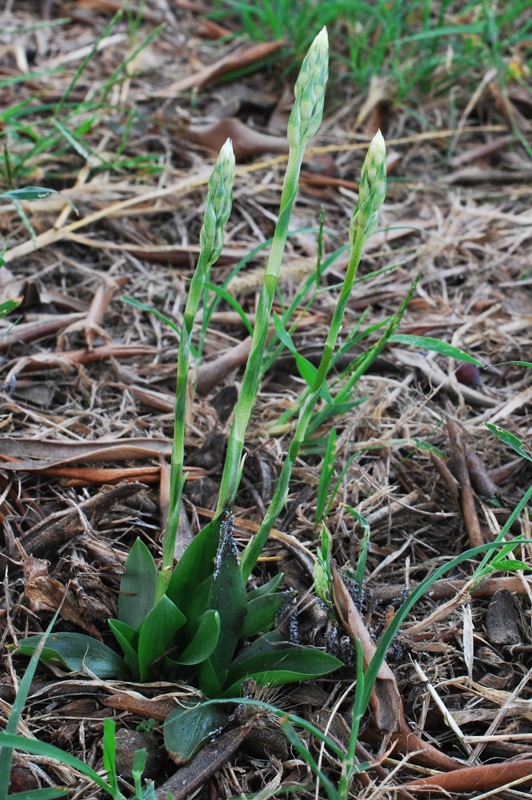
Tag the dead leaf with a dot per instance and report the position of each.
(243, 56)
(475, 779)
(247, 142)
(32, 454)
(385, 699)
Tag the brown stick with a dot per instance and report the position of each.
(462, 475)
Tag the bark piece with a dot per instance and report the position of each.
(459, 466)
(203, 766)
(501, 619)
(47, 536)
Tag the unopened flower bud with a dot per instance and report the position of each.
(372, 191)
(218, 203)
(309, 91)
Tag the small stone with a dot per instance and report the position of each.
(127, 744)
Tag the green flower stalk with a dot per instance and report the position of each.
(304, 121)
(364, 221)
(217, 210)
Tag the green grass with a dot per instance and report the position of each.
(426, 46)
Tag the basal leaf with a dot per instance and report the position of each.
(75, 651)
(186, 729)
(137, 587)
(210, 680)
(128, 639)
(228, 596)
(156, 633)
(437, 346)
(195, 565)
(198, 604)
(286, 665)
(205, 639)
(295, 663)
(260, 614)
(266, 588)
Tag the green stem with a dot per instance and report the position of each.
(250, 382)
(255, 546)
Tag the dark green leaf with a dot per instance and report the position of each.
(512, 441)
(137, 587)
(128, 639)
(260, 614)
(186, 729)
(210, 681)
(156, 632)
(195, 565)
(228, 597)
(282, 665)
(198, 604)
(205, 639)
(428, 343)
(266, 588)
(76, 650)
(263, 644)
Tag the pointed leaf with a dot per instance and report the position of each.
(307, 662)
(40, 794)
(198, 604)
(228, 596)
(128, 639)
(186, 729)
(75, 651)
(512, 441)
(437, 346)
(510, 564)
(137, 587)
(210, 681)
(156, 633)
(266, 588)
(195, 565)
(50, 751)
(205, 639)
(307, 370)
(260, 614)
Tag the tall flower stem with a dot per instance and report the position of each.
(304, 121)
(217, 210)
(364, 221)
